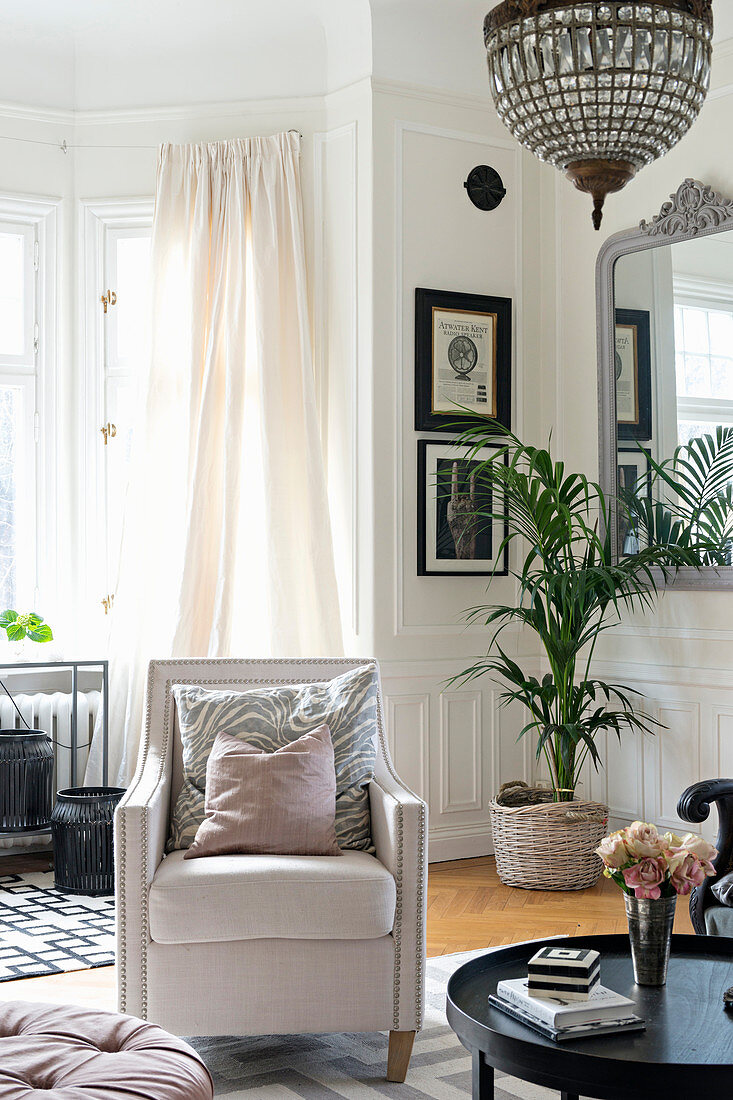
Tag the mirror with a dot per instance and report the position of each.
(665, 312)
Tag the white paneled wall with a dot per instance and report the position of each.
(455, 747)
(391, 214)
(408, 725)
(460, 747)
(452, 746)
(335, 313)
(645, 775)
(673, 757)
(723, 739)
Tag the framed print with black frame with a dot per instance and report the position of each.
(463, 358)
(633, 359)
(633, 475)
(461, 526)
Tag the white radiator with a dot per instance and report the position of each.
(52, 714)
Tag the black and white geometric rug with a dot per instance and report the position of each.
(43, 931)
(282, 1067)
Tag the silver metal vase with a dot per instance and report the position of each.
(650, 933)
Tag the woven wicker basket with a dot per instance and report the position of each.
(548, 847)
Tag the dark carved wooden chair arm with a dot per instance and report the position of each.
(694, 806)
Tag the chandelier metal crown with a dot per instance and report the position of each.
(599, 89)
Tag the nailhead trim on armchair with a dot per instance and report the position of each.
(122, 839)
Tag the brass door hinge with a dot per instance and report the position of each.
(109, 431)
(108, 299)
(108, 603)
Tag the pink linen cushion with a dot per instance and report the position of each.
(61, 1051)
(269, 803)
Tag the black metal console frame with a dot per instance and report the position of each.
(73, 667)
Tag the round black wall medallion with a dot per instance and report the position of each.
(485, 187)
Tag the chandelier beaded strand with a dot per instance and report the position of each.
(599, 89)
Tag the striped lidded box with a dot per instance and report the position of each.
(566, 972)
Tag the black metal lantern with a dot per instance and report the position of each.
(82, 840)
(26, 781)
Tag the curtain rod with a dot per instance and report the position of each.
(64, 145)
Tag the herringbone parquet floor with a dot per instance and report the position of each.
(468, 907)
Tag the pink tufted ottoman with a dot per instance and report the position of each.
(58, 1052)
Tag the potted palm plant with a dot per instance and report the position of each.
(571, 589)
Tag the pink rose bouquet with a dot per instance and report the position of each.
(648, 864)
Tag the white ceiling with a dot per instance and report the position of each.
(92, 54)
(99, 54)
(723, 14)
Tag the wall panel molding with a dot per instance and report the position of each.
(663, 675)
(341, 142)
(461, 751)
(444, 745)
(427, 94)
(644, 776)
(408, 725)
(441, 668)
(459, 841)
(723, 741)
(682, 633)
(620, 781)
(674, 753)
(170, 113)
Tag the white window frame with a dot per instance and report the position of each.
(699, 292)
(99, 218)
(38, 377)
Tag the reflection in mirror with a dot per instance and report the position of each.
(674, 397)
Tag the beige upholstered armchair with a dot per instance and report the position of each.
(258, 945)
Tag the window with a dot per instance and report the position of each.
(127, 256)
(117, 245)
(704, 364)
(27, 428)
(17, 415)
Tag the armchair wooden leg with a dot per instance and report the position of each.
(398, 1058)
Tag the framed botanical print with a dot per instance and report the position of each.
(633, 374)
(463, 358)
(634, 480)
(460, 522)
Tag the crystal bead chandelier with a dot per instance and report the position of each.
(599, 89)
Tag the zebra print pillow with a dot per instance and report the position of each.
(269, 718)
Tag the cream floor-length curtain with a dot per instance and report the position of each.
(227, 545)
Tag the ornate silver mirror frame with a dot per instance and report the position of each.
(695, 210)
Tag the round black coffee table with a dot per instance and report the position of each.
(685, 1052)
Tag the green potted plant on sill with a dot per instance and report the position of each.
(18, 627)
(570, 591)
(22, 628)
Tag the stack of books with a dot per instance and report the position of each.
(562, 1019)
